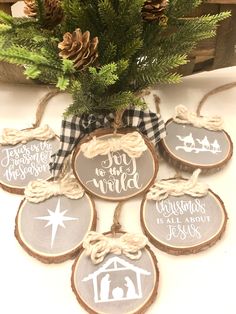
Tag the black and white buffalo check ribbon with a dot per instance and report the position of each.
(74, 128)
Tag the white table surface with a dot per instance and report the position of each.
(200, 283)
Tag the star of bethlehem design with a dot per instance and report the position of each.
(55, 219)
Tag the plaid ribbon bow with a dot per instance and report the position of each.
(74, 128)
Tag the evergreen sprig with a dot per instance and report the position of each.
(133, 54)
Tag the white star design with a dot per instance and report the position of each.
(56, 219)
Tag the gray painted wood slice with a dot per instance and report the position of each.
(118, 285)
(22, 163)
(184, 224)
(115, 176)
(189, 147)
(53, 230)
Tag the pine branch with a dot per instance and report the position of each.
(22, 56)
(180, 8)
(6, 18)
(63, 83)
(157, 71)
(114, 102)
(121, 101)
(32, 71)
(24, 22)
(5, 29)
(106, 12)
(105, 76)
(108, 54)
(40, 10)
(133, 54)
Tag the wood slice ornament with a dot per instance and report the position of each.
(25, 154)
(110, 165)
(183, 216)
(54, 219)
(122, 280)
(195, 141)
(27, 158)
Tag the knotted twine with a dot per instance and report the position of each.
(67, 185)
(132, 144)
(162, 189)
(97, 246)
(214, 91)
(184, 116)
(74, 128)
(12, 136)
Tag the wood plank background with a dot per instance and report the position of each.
(210, 54)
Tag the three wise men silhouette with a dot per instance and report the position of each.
(189, 144)
(117, 293)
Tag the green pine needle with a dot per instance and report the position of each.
(32, 72)
(68, 66)
(4, 29)
(132, 54)
(6, 18)
(62, 83)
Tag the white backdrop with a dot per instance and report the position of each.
(201, 283)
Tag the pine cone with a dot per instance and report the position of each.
(79, 48)
(53, 12)
(152, 10)
(30, 8)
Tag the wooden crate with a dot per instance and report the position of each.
(5, 5)
(210, 54)
(9, 72)
(217, 52)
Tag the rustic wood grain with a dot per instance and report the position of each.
(140, 310)
(225, 54)
(184, 165)
(9, 1)
(222, 1)
(49, 259)
(11, 73)
(219, 51)
(5, 5)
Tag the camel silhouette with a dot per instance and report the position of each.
(204, 142)
(216, 146)
(187, 140)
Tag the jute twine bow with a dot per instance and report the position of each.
(132, 144)
(162, 189)
(41, 190)
(97, 246)
(13, 136)
(183, 116)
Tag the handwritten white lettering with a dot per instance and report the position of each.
(168, 208)
(24, 159)
(117, 173)
(183, 232)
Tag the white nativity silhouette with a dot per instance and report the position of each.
(189, 144)
(102, 287)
